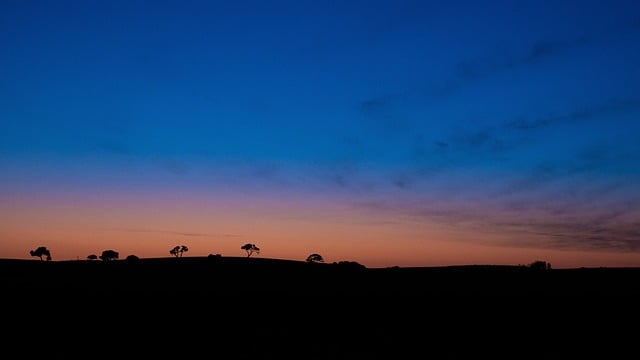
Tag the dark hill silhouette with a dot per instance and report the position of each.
(246, 307)
(230, 276)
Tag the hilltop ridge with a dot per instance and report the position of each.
(252, 308)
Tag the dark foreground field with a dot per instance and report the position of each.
(256, 308)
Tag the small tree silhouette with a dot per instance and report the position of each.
(315, 258)
(132, 257)
(92, 257)
(540, 265)
(109, 255)
(250, 249)
(40, 252)
(178, 250)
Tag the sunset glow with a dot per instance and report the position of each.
(387, 133)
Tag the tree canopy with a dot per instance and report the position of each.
(315, 258)
(109, 255)
(40, 252)
(178, 250)
(250, 249)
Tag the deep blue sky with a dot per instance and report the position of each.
(516, 116)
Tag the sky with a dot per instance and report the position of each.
(390, 133)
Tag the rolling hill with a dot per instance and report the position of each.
(239, 307)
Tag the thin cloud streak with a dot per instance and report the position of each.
(612, 107)
(171, 232)
(469, 71)
(589, 217)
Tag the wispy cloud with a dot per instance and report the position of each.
(470, 70)
(597, 232)
(586, 216)
(610, 107)
(173, 232)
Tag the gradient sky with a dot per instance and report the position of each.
(408, 133)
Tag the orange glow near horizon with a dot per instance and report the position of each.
(393, 134)
(283, 228)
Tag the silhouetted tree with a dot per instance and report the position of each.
(250, 249)
(540, 265)
(109, 255)
(40, 252)
(315, 258)
(92, 257)
(178, 250)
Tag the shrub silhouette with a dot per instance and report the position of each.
(178, 250)
(109, 255)
(315, 258)
(132, 258)
(540, 265)
(250, 249)
(92, 257)
(40, 252)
